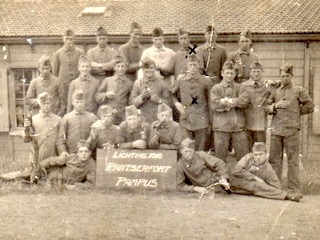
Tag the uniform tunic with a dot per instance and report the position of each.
(71, 171)
(181, 62)
(46, 127)
(51, 85)
(203, 170)
(148, 107)
(104, 56)
(243, 178)
(122, 88)
(169, 136)
(218, 55)
(75, 126)
(132, 54)
(126, 136)
(105, 135)
(285, 126)
(245, 58)
(89, 86)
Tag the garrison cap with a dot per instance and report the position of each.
(163, 108)
(83, 143)
(83, 59)
(78, 95)
(101, 31)
(45, 61)
(188, 143)
(193, 58)
(44, 96)
(147, 62)
(105, 109)
(228, 65)
(182, 31)
(210, 28)
(132, 110)
(256, 65)
(287, 68)
(134, 25)
(246, 33)
(157, 32)
(259, 146)
(69, 32)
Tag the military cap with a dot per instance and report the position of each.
(83, 59)
(157, 32)
(132, 110)
(78, 95)
(287, 68)
(101, 31)
(188, 143)
(228, 65)
(210, 28)
(45, 61)
(134, 25)
(105, 109)
(256, 65)
(193, 58)
(246, 33)
(259, 146)
(147, 62)
(118, 59)
(69, 32)
(182, 31)
(83, 143)
(44, 96)
(163, 108)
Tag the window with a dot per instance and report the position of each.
(21, 81)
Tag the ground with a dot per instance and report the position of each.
(101, 214)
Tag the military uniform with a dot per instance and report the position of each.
(105, 135)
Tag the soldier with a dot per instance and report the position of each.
(162, 56)
(228, 119)
(212, 55)
(255, 113)
(148, 92)
(115, 90)
(133, 132)
(46, 82)
(286, 104)
(132, 51)
(102, 56)
(243, 57)
(103, 132)
(254, 175)
(201, 169)
(85, 82)
(165, 133)
(191, 98)
(75, 125)
(65, 64)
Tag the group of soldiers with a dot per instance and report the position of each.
(198, 100)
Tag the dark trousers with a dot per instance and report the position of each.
(291, 145)
(199, 136)
(255, 136)
(222, 140)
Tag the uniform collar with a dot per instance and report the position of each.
(137, 45)
(193, 76)
(78, 113)
(70, 49)
(213, 45)
(244, 52)
(45, 115)
(162, 49)
(225, 84)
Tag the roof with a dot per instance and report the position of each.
(53, 17)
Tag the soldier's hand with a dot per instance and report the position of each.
(155, 98)
(64, 155)
(180, 108)
(146, 93)
(140, 144)
(200, 190)
(110, 94)
(62, 159)
(224, 183)
(27, 122)
(258, 179)
(282, 104)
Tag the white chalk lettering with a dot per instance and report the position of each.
(126, 182)
(129, 155)
(113, 167)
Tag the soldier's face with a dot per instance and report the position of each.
(244, 43)
(120, 68)
(68, 41)
(149, 72)
(45, 106)
(79, 105)
(164, 116)
(193, 67)
(106, 118)
(158, 41)
(285, 78)
(44, 71)
(102, 41)
(84, 68)
(83, 154)
(187, 153)
(136, 34)
(184, 40)
(210, 36)
(133, 121)
(260, 157)
(229, 75)
(256, 74)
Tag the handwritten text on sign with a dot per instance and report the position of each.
(123, 168)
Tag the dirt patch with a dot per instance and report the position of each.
(151, 215)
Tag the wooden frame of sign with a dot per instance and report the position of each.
(133, 168)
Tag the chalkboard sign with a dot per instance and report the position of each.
(133, 168)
